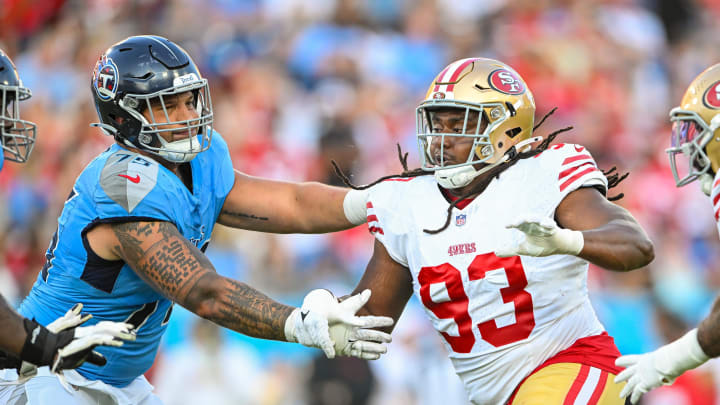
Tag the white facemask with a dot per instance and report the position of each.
(457, 177)
(181, 151)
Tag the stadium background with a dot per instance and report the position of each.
(296, 83)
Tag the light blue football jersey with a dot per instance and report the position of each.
(121, 186)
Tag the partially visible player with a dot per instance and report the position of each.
(131, 237)
(61, 346)
(694, 155)
(496, 244)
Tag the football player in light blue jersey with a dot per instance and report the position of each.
(131, 235)
(25, 343)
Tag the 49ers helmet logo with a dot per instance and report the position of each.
(506, 82)
(712, 96)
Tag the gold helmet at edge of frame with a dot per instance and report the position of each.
(703, 98)
(478, 82)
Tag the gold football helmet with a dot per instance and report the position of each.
(694, 126)
(506, 109)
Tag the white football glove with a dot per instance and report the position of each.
(309, 325)
(363, 343)
(80, 349)
(542, 237)
(63, 345)
(661, 367)
(72, 318)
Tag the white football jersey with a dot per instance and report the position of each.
(715, 195)
(500, 317)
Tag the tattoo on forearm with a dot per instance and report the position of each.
(170, 264)
(244, 215)
(183, 273)
(247, 310)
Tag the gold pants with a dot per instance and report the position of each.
(569, 384)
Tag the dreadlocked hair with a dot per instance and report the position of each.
(613, 177)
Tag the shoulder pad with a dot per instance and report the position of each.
(127, 178)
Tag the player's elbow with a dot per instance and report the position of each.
(647, 250)
(642, 252)
(202, 299)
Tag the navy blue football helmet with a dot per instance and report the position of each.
(17, 136)
(140, 74)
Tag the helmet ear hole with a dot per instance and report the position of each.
(511, 133)
(116, 119)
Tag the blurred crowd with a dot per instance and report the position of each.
(296, 84)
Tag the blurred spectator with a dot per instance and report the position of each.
(297, 83)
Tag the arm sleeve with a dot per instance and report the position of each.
(577, 169)
(384, 218)
(224, 174)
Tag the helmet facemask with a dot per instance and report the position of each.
(690, 135)
(188, 137)
(17, 135)
(480, 120)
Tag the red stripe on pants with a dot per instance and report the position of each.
(577, 385)
(599, 389)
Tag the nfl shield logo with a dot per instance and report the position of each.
(460, 220)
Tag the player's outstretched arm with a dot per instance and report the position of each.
(173, 266)
(587, 225)
(643, 372)
(282, 207)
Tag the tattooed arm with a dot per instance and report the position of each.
(167, 261)
(280, 207)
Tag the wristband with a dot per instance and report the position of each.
(681, 355)
(355, 206)
(41, 344)
(571, 241)
(290, 325)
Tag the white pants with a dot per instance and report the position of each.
(45, 388)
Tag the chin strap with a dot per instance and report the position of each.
(706, 181)
(457, 177)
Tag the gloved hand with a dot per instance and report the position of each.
(542, 237)
(63, 345)
(309, 325)
(661, 367)
(366, 344)
(86, 338)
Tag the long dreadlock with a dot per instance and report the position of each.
(613, 177)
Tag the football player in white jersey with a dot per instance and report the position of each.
(694, 155)
(504, 279)
(23, 342)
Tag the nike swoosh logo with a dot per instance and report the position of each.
(135, 179)
(35, 334)
(579, 148)
(303, 315)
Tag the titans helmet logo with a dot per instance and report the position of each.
(105, 78)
